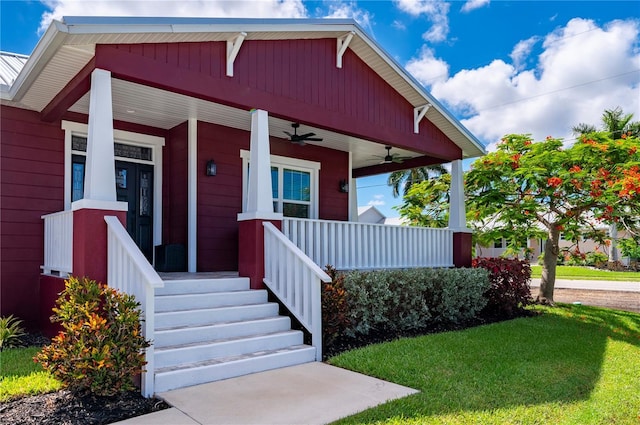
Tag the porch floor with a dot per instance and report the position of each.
(199, 275)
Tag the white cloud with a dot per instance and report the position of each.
(428, 69)
(185, 8)
(399, 25)
(522, 50)
(436, 12)
(377, 201)
(351, 10)
(582, 70)
(474, 4)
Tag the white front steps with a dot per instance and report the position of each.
(212, 329)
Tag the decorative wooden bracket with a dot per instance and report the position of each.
(418, 113)
(233, 47)
(343, 43)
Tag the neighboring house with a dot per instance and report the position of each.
(150, 124)
(370, 214)
(536, 246)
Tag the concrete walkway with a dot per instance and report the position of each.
(312, 393)
(596, 285)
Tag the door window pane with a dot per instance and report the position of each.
(121, 178)
(77, 181)
(145, 193)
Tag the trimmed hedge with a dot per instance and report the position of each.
(404, 300)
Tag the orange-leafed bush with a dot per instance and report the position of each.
(101, 347)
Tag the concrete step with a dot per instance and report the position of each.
(201, 317)
(199, 286)
(229, 367)
(194, 334)
(173, 356)
(166, 303)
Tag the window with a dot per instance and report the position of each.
(499, 243)
(294, 185)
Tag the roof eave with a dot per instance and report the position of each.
(52, 39)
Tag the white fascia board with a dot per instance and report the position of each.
(52, 39)
(120, 25)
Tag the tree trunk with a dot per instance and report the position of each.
(548, 281)
(613, 250)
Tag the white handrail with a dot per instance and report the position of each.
(295, 279)
(129, 271)
(348, 245)
(58, 243)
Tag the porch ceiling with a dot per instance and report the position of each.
(154, 107)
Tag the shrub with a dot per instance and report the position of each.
(101, 345)
(629, 248)
(596, 258)
(509, 292)
(335, 320)
(406, 300)
(10, 332)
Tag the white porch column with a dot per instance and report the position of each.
(192, 195)
(259, 194)
(457, 210)
(462, 241)
(259, 204)
(100, 177)
(353, 201)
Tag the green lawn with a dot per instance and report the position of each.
(584, 273)
(20, 376)
(570, 365)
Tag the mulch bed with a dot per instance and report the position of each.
(65, 408)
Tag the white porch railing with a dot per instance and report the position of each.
(347, 245)
(295, 279)
(129, 271)
(58, 243)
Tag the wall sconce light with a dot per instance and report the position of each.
(211, 168)
(344, 186)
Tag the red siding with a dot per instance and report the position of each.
(292, 79)
(220, 196)
(31, 184)
(174, 186)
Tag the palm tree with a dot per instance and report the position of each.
(616, 123)
(406, 178)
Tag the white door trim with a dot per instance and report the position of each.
(126, 137)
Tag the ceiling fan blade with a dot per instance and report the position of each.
(305, 136)
(313, 139)
(398, 160)
(287, 133)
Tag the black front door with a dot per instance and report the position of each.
(134, 185)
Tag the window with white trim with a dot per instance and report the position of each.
(294, 185)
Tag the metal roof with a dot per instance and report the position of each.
(10, 66)
(68, 45)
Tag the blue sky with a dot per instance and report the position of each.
(501, 67)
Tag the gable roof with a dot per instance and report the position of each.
(68, 45)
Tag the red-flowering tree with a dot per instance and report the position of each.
(524, 189)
